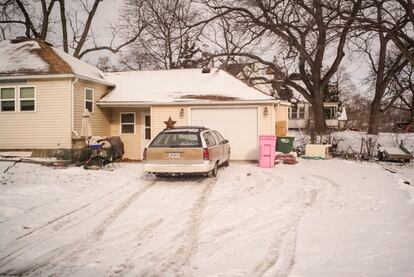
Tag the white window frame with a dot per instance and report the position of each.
(304, 112)
(87, 100)
(134, 124)
(15, 100)
(19, 100)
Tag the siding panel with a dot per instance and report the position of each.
(100, 118)
(132, 142)
(48, 127)
(159, 114)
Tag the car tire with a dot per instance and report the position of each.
(159, 175)
(213, 173)
(227, 162)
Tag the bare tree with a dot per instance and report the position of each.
(400, 92)
(385, 60)
(168, 40)
(37, 19)
(309, 36)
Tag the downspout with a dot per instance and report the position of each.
(73, 105)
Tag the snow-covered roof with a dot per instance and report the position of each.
(179, 85)
(81, 68)
(22, 57)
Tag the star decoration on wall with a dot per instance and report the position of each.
(170, 123)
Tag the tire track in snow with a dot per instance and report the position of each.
(51, 263)
(280, 257)
(144, 235)
(56, 223)
(181, 258)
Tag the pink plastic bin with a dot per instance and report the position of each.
(267, 146)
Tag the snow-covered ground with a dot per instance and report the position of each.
(316, 218)
(352, 139)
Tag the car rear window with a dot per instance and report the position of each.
(176, 139)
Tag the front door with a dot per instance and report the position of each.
(145, 130)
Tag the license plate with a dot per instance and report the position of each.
(174, 155)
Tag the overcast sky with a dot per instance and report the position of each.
(109, 12)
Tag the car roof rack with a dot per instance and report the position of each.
(189, 127)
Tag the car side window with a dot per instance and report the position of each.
(208, 137)
(216, 137)
(220, 137)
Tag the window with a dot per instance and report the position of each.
(27, 98)
(293, 114)
(7, 99)
(127, 123)
(89, 99)
(330, 112)
(301, 112)
(147, 122)
(208, 137)
(219, 138)
(176, 139)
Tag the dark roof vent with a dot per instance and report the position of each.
(206, 70)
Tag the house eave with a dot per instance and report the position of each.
(53, 76)
(120, 104)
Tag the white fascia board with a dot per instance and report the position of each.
(286, 103)
(55, 76)
(117, 104)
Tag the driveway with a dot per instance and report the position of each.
(317, 218)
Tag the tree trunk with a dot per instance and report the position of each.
(374, 116)
(319, 117)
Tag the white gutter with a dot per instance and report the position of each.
(54, 76)
(201, 103)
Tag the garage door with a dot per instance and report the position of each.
(238, 125)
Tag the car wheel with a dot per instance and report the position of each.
(213, 173)
(227, 162)
(159, 175)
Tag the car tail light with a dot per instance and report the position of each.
(206, 154)
(144, 155)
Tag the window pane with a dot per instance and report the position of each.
(27, 105)
(27, 93)
(208, 137)
(7, 93)
(127, 118)
(176, 139)
(147, 120)
(147, 133)
(88, 106)
(302, 112)
(295, 112)
(89, 94)
(127, 129)
(7, 106)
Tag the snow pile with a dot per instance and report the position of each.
(317, 218)
(19, 58)
(180, 85)
(352, 139)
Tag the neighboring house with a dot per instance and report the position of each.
(300, 112)
(44, 92)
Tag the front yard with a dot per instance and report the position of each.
(316, 218)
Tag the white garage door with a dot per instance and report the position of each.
(238, 125)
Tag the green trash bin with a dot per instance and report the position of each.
(284, 144)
